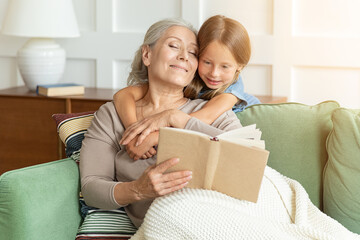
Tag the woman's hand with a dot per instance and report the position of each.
(154, 182)
(144, 150)
(167, 118)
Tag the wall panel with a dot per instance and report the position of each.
(121, 72)
(257, 79)
(3, 5)
(256, 15)
(312, 85)
(127, 13)
(80, 71)
(338, 18)
(85, 11)
(8, 72)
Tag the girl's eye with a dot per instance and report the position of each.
(173, 46)
(206, 62)
(225, 66)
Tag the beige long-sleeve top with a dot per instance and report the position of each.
(104, 163)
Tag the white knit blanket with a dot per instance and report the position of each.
(283, 211)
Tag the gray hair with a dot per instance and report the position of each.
(139, 72)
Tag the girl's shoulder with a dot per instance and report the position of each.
(238, 86)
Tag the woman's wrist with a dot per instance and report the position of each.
(126, 193)
(135, 191)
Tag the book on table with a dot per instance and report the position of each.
(232, 163)
(60, 89)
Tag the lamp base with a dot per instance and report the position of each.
(41, 61)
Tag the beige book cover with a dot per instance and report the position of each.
(232, 163)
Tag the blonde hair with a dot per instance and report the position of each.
(231, 34)
(139, 72)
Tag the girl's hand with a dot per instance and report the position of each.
(149, 154)
(145, 127)
(154, 182)
(144, 150)
(167, 118)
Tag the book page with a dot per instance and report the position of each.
(248, 136)
(192, 149)
(248, 132)
(240, 171)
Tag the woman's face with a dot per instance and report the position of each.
(173, 59)
(217, 65)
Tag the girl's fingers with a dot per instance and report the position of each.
(152, 151)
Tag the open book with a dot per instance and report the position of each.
(232, 163)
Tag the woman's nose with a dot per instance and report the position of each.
(183, 55)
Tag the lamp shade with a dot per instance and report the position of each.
(40, 18)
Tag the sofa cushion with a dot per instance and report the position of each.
(295, 134)
(40, 202)
(106, 224)
(71, 128)
(342, 171)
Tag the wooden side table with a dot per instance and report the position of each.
(28, 132)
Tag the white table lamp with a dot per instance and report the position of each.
(41, 60)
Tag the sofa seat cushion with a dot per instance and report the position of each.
(295, 134)
(342, 171)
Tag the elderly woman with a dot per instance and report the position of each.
(110, 178)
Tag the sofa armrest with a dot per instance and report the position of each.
(40, 202)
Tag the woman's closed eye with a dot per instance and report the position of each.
(193, 53)
(174, 46)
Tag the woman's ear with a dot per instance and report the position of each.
(146, 55)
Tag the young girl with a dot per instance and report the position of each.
(224, 51)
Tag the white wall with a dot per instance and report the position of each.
(306, 50)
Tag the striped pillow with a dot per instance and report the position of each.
(104, 224)
(71, 128)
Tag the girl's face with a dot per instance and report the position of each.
(217, 65)
(173, 59)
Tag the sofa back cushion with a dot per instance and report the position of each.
(295, 134)
(342, 171)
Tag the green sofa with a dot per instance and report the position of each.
(316, 145)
